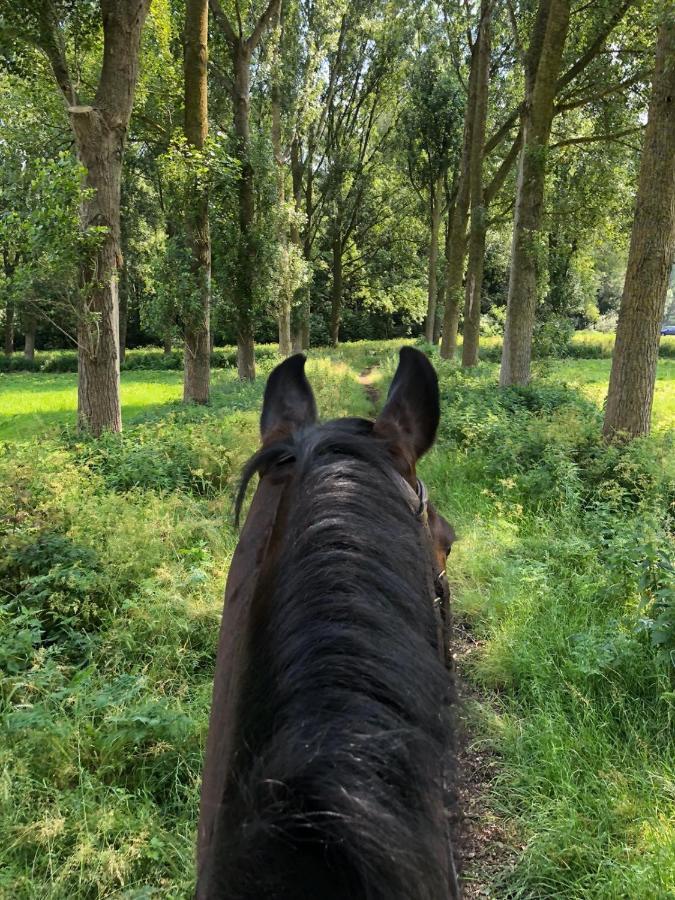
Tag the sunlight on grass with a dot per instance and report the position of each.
(35, 403)
(592, 377)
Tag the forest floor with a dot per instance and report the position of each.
(116, 557)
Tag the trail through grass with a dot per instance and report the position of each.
(115, 558)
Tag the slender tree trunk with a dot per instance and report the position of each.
(285, 298)
(167, 344)
(30, 327)
(474, 279)
(9, 328)
(436, 205)
(300, 317)
(246, 254)
(304, 328)
(455, 245)
(336, 289)
(440, 301)
(197, 363)
(123, 313)
(631, 383)
(550, 34)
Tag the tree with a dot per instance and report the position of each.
(430, 122)
(99, 129)
(541, 76)
(457, 219)
(358, 124)
(241, 49)
(474, 281)
(631, 384)
(197, 315)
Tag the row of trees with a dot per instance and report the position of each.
(214, 166)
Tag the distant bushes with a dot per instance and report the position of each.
(143, 358)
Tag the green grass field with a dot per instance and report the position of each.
(116, 554)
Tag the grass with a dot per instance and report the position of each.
(591, 377)
(116, 553)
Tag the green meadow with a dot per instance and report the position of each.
(115, 555)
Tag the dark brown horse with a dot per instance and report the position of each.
(328, 747)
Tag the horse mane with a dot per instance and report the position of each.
(342, 732)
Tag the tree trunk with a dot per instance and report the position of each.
(167, 344)
(300, 316)
(543, 68)
(436, 205)
(336, 290)
(303, 333)
(197, 362)
(100, 149)
(631, 383)
(440, 301)
(247, 252)
(455, 244)
(245, 356)
(474, 279)
(285, 298)
(30, 327)
(9, 328)
(474, 286)
(124, 314)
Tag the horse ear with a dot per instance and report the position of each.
(410, 416)
(289, 402)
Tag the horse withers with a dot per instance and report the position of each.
(329, 739)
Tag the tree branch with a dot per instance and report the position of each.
(593, 138)
(595, 47)
(223, 22)
(492, 189)
(262, 24)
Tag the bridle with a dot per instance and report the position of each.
(418, 500)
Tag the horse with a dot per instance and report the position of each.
(330, 738)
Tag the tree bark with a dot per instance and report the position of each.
(123, 314)
(474, 278)
(455, 244)
(300, 318)
(631, 383)
(336, 289)
(30, 327)
(542, 70)
(305, 318)
(285, 297)
(197, 361)
(9, 328)
(246, 255)
(436, 206)
(100, 149)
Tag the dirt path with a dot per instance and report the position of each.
(482, 846)
(366, 379)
